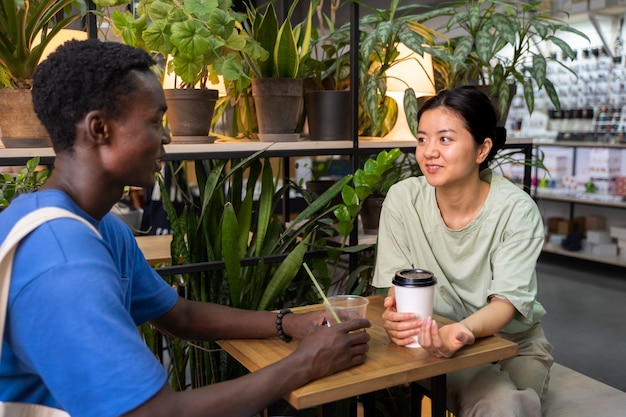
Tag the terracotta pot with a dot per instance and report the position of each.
(20, 127)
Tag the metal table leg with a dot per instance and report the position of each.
(438, 395)
(369, 405)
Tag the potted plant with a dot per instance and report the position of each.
(234, 220)
(277, 85)
(374, 180)
(327, 82)
(496, 48)
(322, 172)
(198, 40)
(26, 28)
(382, 30)
(28, 179)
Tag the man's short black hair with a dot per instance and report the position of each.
(82, 76)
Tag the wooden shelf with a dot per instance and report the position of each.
(574, 144)
(610, 260)
(581, 198)
(232, 149)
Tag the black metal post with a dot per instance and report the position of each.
(354, 99)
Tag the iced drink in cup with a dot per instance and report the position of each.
(415, 291)
(345, 307)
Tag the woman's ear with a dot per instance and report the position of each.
(483, 150)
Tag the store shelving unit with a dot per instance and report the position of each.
(574, 199)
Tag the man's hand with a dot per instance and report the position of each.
(327, 350)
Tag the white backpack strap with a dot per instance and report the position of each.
(22, 228)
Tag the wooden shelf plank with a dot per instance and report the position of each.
(609, 260)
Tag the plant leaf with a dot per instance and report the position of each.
(265, 205)
(231, 254)
(285, 273)
(410, 108)
(267, 36)
(529, 96)
(286, 61)
(505, 28)
(539, 70)
(484, 44)
(554, 97)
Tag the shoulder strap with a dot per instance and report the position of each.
(22, 228)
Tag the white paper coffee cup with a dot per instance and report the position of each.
(415, 291)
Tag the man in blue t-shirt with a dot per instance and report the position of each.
(76, 299)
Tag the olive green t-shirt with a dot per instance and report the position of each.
(494, 255)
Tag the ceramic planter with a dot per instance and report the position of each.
(279, 104)
(329, 114)
(189, 113)
(370, 214)
(494, 100)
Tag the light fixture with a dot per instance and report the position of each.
(414, 71)
(60, 38)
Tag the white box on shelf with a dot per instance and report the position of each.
(598, 237)
(603, 249)
(618, 232)
(573, 6)
(557, 167)
(574, 183)
(603, 186)
(605, 163)
(556, 239)
(602, 4)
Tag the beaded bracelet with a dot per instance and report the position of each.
(279, 325)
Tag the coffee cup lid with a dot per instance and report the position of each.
(414, 278)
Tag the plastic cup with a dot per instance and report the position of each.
(346, 307)
(415, 291)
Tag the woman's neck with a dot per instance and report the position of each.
(460, 205)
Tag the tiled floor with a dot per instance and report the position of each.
(586, 320)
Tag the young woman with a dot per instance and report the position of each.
(480, 235)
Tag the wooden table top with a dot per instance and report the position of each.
(156, 248)
(387, 364)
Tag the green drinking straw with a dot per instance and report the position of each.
(319, 289)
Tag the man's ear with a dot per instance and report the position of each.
(98, 127)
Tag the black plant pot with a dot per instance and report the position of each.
(319, 187)
(328, 113)
(494, 100)
(370, 214)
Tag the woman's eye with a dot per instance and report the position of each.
(421, 140)
(445, 139)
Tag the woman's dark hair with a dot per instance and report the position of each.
(82, 76)
(476, 111)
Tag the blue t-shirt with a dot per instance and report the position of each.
(71, 338)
